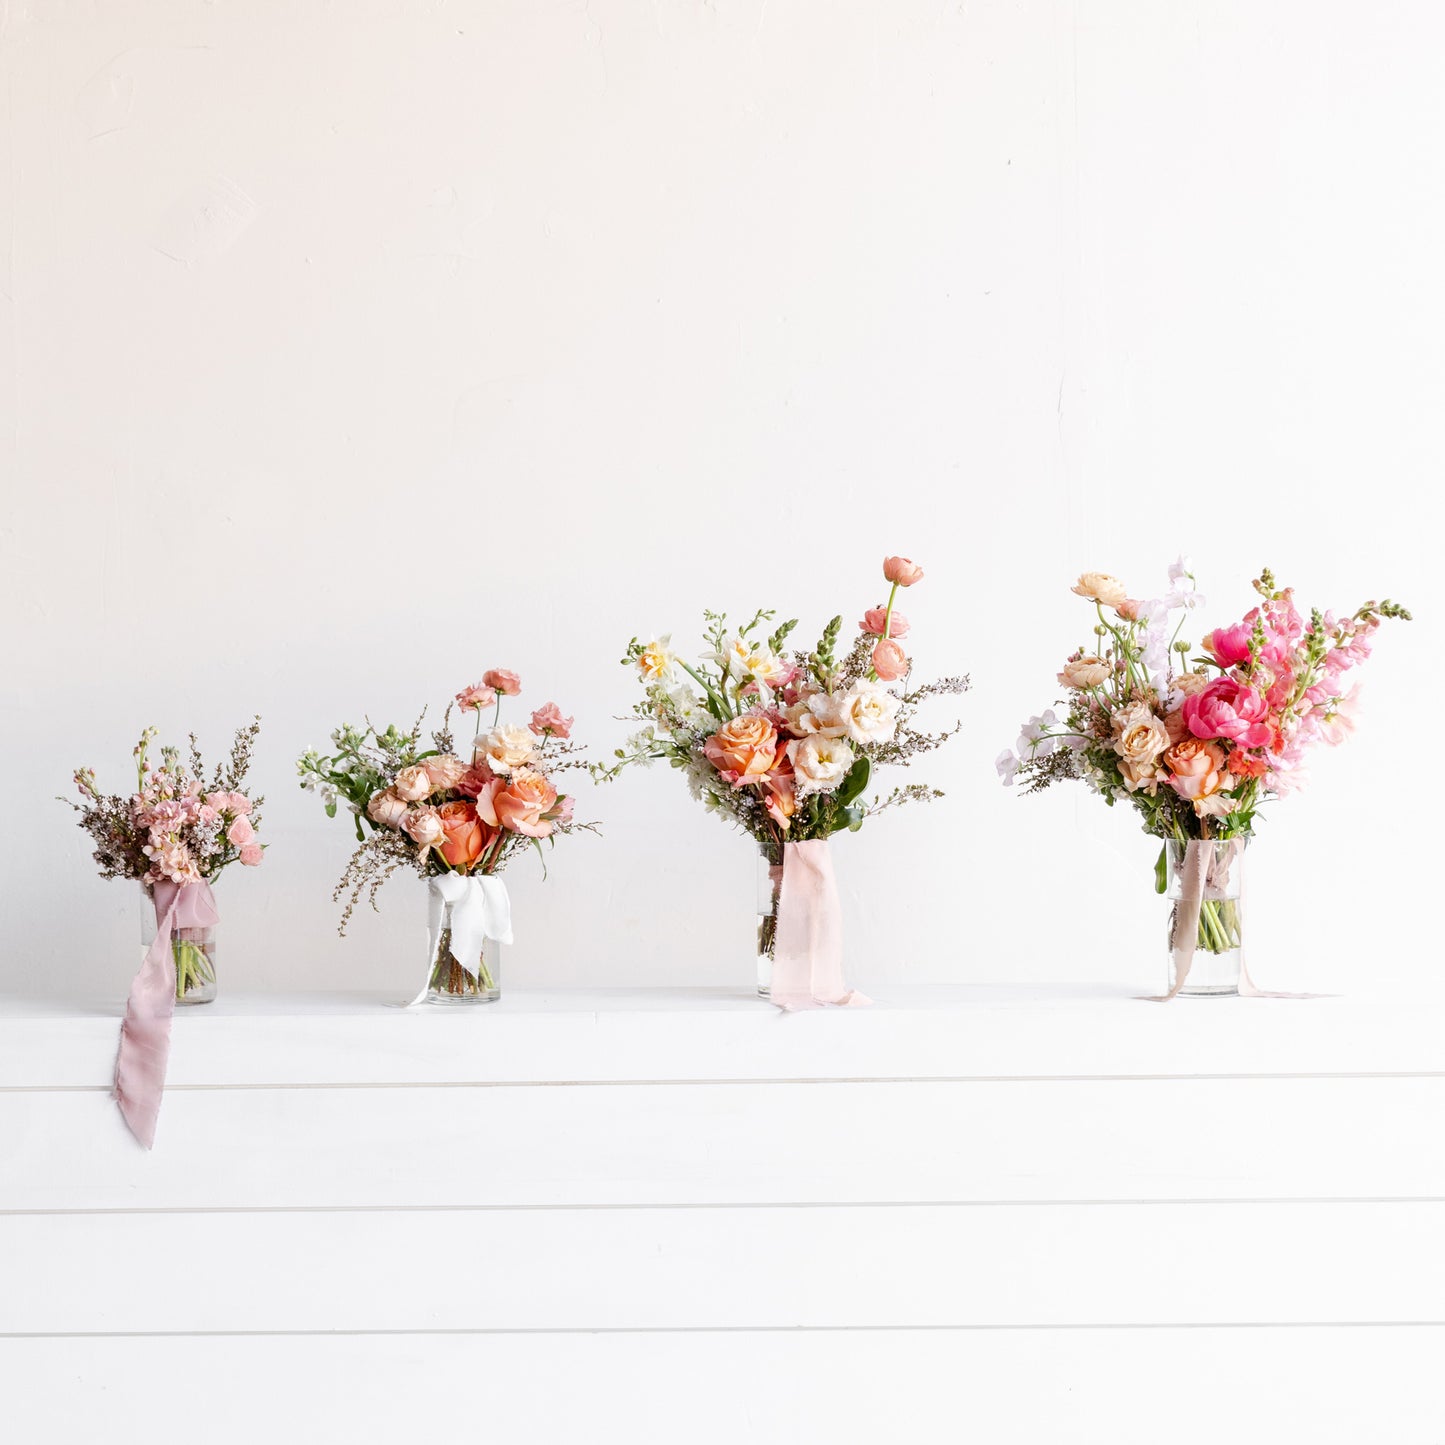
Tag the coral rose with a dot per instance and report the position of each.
(465, 837)
(386, 809)
(1196, 768)
(820, 763)
(445, 771)
(548, 719)
(412, 784)
(1086, 671)
(506, 683)
(251, 855)
(890, 661)
(476, 697)
(901, 571)
(504, 749)
(522, 802)
(875, 618)
(743, 749)
(1229, 709)
(1100, 587)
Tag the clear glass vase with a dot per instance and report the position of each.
(1206, 888)
(770, 886)
(452, 982)
(193, 950)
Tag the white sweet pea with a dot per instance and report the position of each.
(1007, 766)
(1035, 733)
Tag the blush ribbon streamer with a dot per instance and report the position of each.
(481, 910)
(808, 945)
(145, 1032)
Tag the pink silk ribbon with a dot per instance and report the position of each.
(808, 945)
(145, 1032)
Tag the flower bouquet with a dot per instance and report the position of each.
(455, 821)
(174, 835)
(783, 745)
(1198, 745)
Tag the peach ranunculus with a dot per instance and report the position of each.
(548, 719)
(412, 784)
(1100, 587)
(505, 749)
(890, 661)
(424, 827)
(240, 833)
(476, 697)
(522, 803)
(386, 809)
(1196, 768)
(743, 749)
(506, 683)
(1085, 672)
(1128, 609)
(465, 837)
(902, 571)
(874, 619)
(445, 770)
(251, 855)
(1139, 738)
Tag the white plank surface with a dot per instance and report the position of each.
(732, 1143)
(727, 1268)
(1130, 1387)
(705, 1034)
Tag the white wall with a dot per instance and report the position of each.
(350, 350)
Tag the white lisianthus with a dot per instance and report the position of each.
(657, 662)
(819, 763)
(505, 749)
(869, 713)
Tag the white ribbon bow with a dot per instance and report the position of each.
(480, 910)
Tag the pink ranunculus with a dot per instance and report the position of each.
(506, 683)
(240, 833)
(476, 697)
(1229, 646)
(901, 571)
(219, 801)
(252, 854)
(874, 618)
(1128, 609)
(890, 661)
(1229, 709)
(387, 809)
(548, 719)
(475, 779)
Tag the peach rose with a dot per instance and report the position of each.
(521, 804)
(1139, 738)
(252, 854)
(1086, 671)
(505, 748)
(506, 683)
(875, 617)
(743, 749)
(240, 833)
(548, 719)
(476, 697)
(465, 838)
(412, 784)
(445, 770)
(386, 809)
(1100, 587)
(1196, 768)
(424, 827)
(901, 571)
(1191, 684)
(780, 792)
(890, 661)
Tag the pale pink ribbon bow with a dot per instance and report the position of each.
(808, 946)
(145, 1032)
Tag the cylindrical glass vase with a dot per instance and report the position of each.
(192, 949)
(1206, 918)
(770, 887)
(453, 982)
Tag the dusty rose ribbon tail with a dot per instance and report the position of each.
(145, 1032)
(1186, 916)
(808, 945)
(1246, 983)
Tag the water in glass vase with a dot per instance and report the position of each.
(452, 982)
(193, 950)
(770, 884)
(1206, 920)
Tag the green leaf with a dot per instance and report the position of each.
(537, 844)
(331, 809)
(854, 781)
(1161, 870)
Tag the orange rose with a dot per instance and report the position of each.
(465, 837)
(521, 803)
(1196, 768)
(743, 749)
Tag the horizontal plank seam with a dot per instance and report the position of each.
(728, 1329)
(694, 1083)
(1187, 1201)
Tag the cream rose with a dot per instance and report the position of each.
(1101, 587)
(868, 713)
(504, 749)
(1086, 671)
(1191, 684)
(412, 784)
(820, 764)
(1139, 739)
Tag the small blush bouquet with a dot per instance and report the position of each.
(1198, 745)
(454, 816)
(175, 836)
(783, 744)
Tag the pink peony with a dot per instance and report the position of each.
(476, 697)
(548, 719)
(252, 854)
(873, 620)
(506, 683)
(1229, 646)
(890, 661)
(901, 571)
(240, 833)
(1229, 709)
